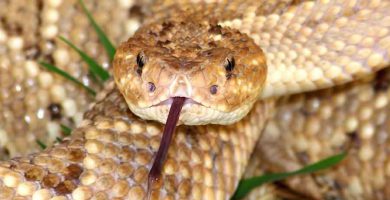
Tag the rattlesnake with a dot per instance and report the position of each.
(307, 46)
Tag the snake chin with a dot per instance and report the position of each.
(193, 113)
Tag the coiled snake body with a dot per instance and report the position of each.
(224, 57)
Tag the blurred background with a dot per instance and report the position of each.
(34, 102)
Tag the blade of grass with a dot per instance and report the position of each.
(110, 49)
(95, 79)
(94, 67)
(41, 144)
(58, 139)
(62, 73)
(66, 130)
(246, 185)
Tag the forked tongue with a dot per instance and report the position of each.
(169, 129)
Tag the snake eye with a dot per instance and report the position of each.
(230, 64)
(213, 89)
(140, 63)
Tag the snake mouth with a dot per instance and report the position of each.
(169, 101)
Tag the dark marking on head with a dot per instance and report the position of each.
(163, 43)
(229, 66)
(167, 26)
(140, 63)
(230, 75)
(152, 33)
(226, 34)
(215, 29)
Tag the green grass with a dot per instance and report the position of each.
(246, 185)
(93, 66)
(41, 144)
(66, 130)
(67, 76)
(97, 72)
(58, 139)
(110, 49)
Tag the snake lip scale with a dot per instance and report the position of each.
(187, 102)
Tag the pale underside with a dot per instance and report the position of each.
(110, 153)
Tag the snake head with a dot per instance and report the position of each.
(219, 71)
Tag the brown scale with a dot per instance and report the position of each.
(363, 174)
(38, 100)
(220, 11)
(85, 162)
(172, 36)
(11, 180)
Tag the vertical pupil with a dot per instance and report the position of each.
(230, 65)
(140, 64)
(140, 61)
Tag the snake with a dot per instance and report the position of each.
(243, 68)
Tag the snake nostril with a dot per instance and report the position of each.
(151, 87)
(213, 89)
